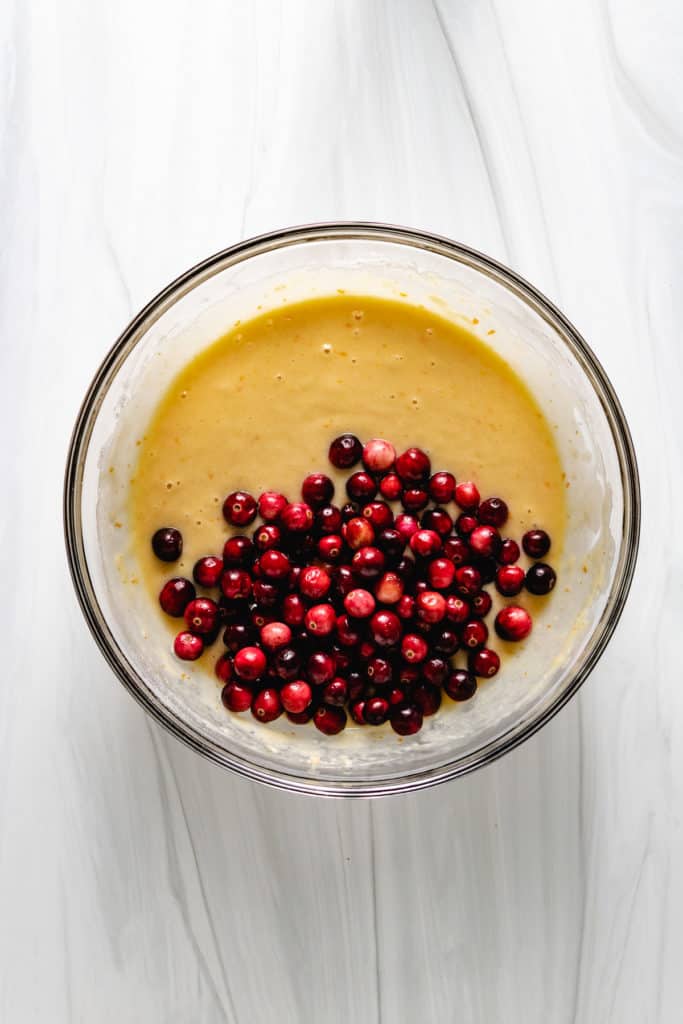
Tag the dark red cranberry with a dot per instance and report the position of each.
(481, 604)
(261, 617)
(167, 544)
(414, 499)
(175, 596)
(268, 536)
(484, 541)
(336, 692)
(250, 663)
(465, 523)
(390, 487)
(314, 582)
(405, 608)
(342, 660)
(467, 580)
(293, 610)
(350, 510)
(274, 564)
(329, 519)
(540, 579)
(237, 697)
(379, 670)
(509, 552)
(296, 696)
(331, 547)
(414, 648)
(427, 697)
(231, 611)
(361, 487)
(457, 609)
(188, 646)
(460, 685)
(320, 619)
(266, 595)
(367, 650)
(446, 640)
(376, 710)
(302, 717)
(484, 662)
(434, 671)
(379, 514)
(425, 543)
(207, 571)
(389, 589)
(237, 635)
(442, 488)
(317, 490)
(406, 526)
(239, 508)
(320, 668)
(287, 664)
(396, 695)
(406, 719)
(431, 606)
(536, 543)
(297, 517)
(201, 615)
(357, 708)
(437, 519)
(236, 584)
(422, 627)
(238, 552)
(344, 580)
(275, 635)
(347, 631)
(466, 495)
(378, 455)
(413, 465)
(223, 668)
(266, 705)
(345, 451)
(474, 634)
(493, 512)
(329, 720)
(358, 533)
(440, 573)
(456, 549)
(271, 505)
(301, 548)
(407, 569)
(513, 623)
(391, 543)
(368, 563)
(359, 603)
(356, 681)
(487, 568)
(510, 580)
(408, 676)
(385, 628)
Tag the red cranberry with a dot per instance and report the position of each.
(540, 579)
(201, 615)
(406, 719)
(466, 495)
(409, 675)
(484, 662)
(329, 720)
(460, 685)
(406, 526)
(207, 571)
(260, 618)
(271, 505)
(446, 641)
(237, 696)
(317, 490)
(237, 635)
(493, 512)
(347, 632)
(405, 608)
(342, 660)
(356, 683)
(367, 651)
(425, 543)
(368, 563)
(235, 584)
(359, 603)
(414, 648)
(320, 668)
(361, 487)
(239, 508)
(175, 596)
(390, 542)
(320, 619)
(390, 487)
(456, 549)
(302, 717)
(376, 710)
(440, 573)
(330, 547)
(188, 646)
(167, 544)
(396, 695)
(434, 671)
(268, 536)
(442, 488)
(407, 569)
(223, 668)
(267, 706)
(275, 635)
(474, 633)
(358, 533)
(345, 451)
(510, 580)
(414, 499)
(378, 455)
(329, 519)
(485, 541)
(250, 663)
(287, 664)
(509, 552)
(467, 580)
(437, 519)
(296, 696)
(266, 595)
(389, 589)
(427, 697)
(465, 523)
(238, 552)
(314, 582)
(536, 543)
(379, 670)
(274, 564)
(297, 517)
(350, 510)
(431, 606)
(457, 610)
(385, 628)
(344, 580)
(413, 465)
(336, 693)
(293, 610)
(379, 514)
(481, 604)
(357, 708)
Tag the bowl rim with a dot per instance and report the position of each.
(348, 231)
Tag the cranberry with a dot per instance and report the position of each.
(237, 696)
(391, 543)
(342, 660)
(271, 506)
(260, 618)
(467, 580)
(293, 610)
(297, 517)
(223, 668)
(456, 549)
(457, 610)
(368, 563)
(385, 628)
(329, 720)
(275, 635)
(434, 671)
(320, 668)
(175, 596)
(361, 487)
(358, 533)
(329, 519)
(405, 609)
(510, 580)
(466, 495)
(356, 683)
(409, 675)
(274, 564)
(237, 635)
(336, 692)
(344, 580)
(442, 488)
(359, 603)
(296, 696)
(314, 582)
(406, 526)
(427, 697)
(481, 604)
(493, 512)
(484, 662)
(414, 499)
(350, 510)
(414, 648)
(378, 455)
(207, 571)
(407, 569)
(440, 573)
(389, 589)
(235, 584)
(201, 615)
(266, 595)
(540, 579)
(320, 619)
(300, 718)
(357, 708)
(396, 695)
(167, 544)
(413, 465)
(437, 519)
(474, 633)
(536, 543)
(390, 487)
(268, 536)
(460, 685)
(431, 606)
(376, 710)
(250, 663)
(509, 552)
(188, 646)
(406, 719)
(238, 552)
(425, 543)
(485, 541)
(347, 633)
(345, 451)
(317, 490)
(486, 566)
(465, 523)
(379, 514)
(287, 664)
(239, 508)
(330, 547)
(446, 641)
(379, 670)
(267, 706)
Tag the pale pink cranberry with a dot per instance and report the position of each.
(271, 505)
(237, 696)
(314, 582)
(296, 696)
(431, 606)
(513, 623)
(358, 533)
(275, 635)
(266, 705)
(359, 603)
(188, 646)
(320, 619)
(378, 455)
(466, 495)
(389, 588)
(250, 663)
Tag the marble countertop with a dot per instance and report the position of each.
(139, 883)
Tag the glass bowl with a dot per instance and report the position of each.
(600, 547)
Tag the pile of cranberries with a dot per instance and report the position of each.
(360, 606)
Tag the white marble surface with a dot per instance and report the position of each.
(140, 884)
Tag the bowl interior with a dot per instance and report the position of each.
(602, 518)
